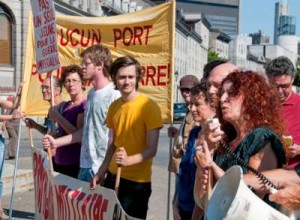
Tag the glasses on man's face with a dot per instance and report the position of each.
(47, 88)
(71, 81)
(185, 90)
(85, 64)
(283, 86)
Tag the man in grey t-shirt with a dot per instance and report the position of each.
(94, 136)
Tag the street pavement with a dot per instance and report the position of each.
(23, 199)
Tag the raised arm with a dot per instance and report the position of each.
(10, 117)
(30, 123)
(63, 123)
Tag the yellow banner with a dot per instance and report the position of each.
(147, 35)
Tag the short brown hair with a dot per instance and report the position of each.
(73, 69)
(99, 55)
(124, 62)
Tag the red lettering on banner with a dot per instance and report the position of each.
(98, 207)
(153, 75)
(49, 16)
(75, 210)
(77, 37)
(56, 73)
(74, 42)
(132, 35)
(70, 204)
(37, 20)
(44, 194)
(79, 199)
(47, 30)
(43, 5)
(61, 205)
(83, 207)
(156, 75)
(91, 208)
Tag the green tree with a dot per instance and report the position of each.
(297, 76)
(212, 56)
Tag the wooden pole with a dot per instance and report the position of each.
(52, 104)
(30, 137)
(118, 177)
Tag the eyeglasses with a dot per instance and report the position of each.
(283, 86)
(71, 81)
(47, 88)
(85, 64)
(185, 90)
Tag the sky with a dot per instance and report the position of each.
(259, 15)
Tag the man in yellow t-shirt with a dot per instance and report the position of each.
(134, 121)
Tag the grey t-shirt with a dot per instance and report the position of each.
(95, 132)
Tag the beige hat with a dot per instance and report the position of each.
(188, 82)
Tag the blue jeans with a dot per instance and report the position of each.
(86, 174)
(2, 155)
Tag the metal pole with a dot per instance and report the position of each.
(15, 171)
(169, 178)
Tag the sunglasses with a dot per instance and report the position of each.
(185, 90)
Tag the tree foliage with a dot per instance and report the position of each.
(297, 76)
(212, 56)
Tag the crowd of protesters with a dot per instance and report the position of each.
(230, 111)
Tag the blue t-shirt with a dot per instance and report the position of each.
(187, 172)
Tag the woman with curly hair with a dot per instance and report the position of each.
(70, 119)
(251, 127)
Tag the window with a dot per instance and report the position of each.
(5, 37)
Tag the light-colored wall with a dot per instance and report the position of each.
(11, 76)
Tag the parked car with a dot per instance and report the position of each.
(180, 110)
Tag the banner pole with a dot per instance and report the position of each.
(118, 176)
(169, 177)
(15, 170)
(30, 137)
(52, 104)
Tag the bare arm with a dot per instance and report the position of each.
(63, 123)
(99, 177)
(32, 124)
(49, 141)
(8, 117)
(276, 176)
(265, 159)
(6, 104)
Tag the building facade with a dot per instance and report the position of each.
(222, 14)
(191, 48)
(219, 43)
(259, 38)
(284, 24)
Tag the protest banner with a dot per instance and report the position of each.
(147, 35)
(61, 197)
(45, 39)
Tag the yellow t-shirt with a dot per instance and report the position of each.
(130, 122)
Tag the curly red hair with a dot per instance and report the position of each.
(261, 104)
